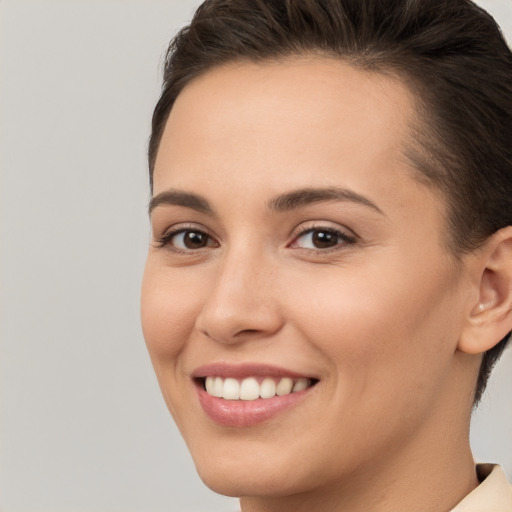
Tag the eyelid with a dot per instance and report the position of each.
(305, 227)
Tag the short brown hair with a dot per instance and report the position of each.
(451, 52)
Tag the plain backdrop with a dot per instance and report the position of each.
(82, 425)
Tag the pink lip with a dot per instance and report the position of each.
(241, 371)
(241, 413)
(245, 413)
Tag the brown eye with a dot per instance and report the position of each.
(195, 239)
(318, 239)
(187, 240)
(324, 239)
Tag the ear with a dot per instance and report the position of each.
(490, 318)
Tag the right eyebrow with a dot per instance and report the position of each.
(306, 196)
(179, 198)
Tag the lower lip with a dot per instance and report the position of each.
(245, 413)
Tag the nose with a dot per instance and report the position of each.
(241, 301)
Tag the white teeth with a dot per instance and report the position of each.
(231, 390)
(284, 387)
(300, 384)
(251, 389)
(214, 386)
(218, 387)
(208, 384)
(268, 388)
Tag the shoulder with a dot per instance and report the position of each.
(494, 494)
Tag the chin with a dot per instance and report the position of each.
(260, 473)
(246, 482)
(232, 484)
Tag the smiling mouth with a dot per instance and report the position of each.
(249, 394)
(254, 388)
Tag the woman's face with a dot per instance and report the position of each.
(293, 245)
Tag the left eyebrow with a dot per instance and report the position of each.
(306, 196)
(180, 198)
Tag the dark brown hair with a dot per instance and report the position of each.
(450, 52)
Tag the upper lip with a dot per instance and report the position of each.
(244, 370)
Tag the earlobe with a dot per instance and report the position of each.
(490, 318)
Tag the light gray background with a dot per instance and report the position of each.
(82, 424)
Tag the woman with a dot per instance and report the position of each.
(329, 281)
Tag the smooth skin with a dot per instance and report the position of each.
(358, 291)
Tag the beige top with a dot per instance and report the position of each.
(494, 494)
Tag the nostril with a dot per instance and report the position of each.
(247, 332)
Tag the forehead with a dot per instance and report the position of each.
(293, 101)
(314, 119)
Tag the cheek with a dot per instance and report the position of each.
(387, 342)
(169, 306)
(381, 325)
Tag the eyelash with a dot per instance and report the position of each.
(346, 239)
(166, 239)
